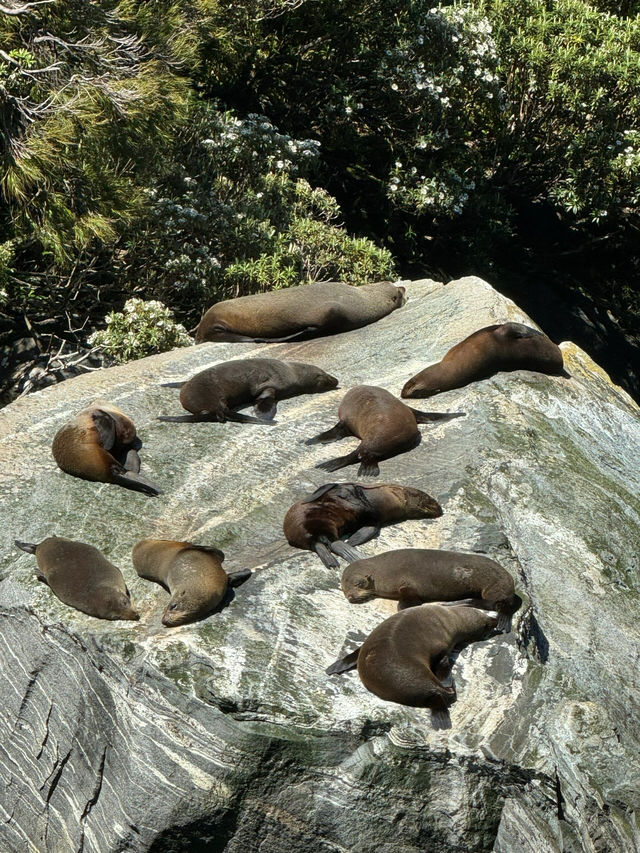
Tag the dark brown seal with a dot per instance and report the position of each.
(193, 574)
(406, 659)
(385, 425)
(80, 576)
(100, 444)
(215, 393)
(321, 308)
(413, 576)
(507, 346)
(353, 512)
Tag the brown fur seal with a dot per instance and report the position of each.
(413, 576)
(193, 574)
(406, 659)
(321, 308)
(100, 444)
(214, 393)
(80, 576)
(508, 346)
(340, 510)
(384, 424)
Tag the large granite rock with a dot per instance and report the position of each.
(226, 735)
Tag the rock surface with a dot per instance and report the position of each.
(226, 735)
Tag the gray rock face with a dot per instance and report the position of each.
(226, 735)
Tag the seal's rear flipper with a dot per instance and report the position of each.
(504, 623)
(427, 417)
(441, 720)
(368, 468)
(131, 461)
(365, 534)
(339, 462)
(172, 384)
(266, 405)
(343, 549)
(334, 434)
(325, 555)
(26, 546)
(345, 664)
(239, 577)
(135, 482)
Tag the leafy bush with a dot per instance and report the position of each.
(143, 328)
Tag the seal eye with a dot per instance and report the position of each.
(173, 606)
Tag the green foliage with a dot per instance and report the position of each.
(142, 329)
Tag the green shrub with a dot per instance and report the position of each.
(141, 329)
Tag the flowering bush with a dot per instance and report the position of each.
(142, 328)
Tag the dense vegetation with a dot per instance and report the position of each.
(185, 152)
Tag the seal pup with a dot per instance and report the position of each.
(193, 574)
(80, 576)
(406, 659)
(385, 425)
(100, 444)
(293, 313)
(506, 346)
(215, 393)
(414, 576)
(353, 512)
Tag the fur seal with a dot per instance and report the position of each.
(215, 393)
(193, 574)
(384, 424)
(413, 576)
(82, 577)
(100, 444)
(507, 346)
(307, 310)
(353, 512)
(406, 659)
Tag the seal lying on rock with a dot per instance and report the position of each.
(308, 310)
(80, 576)
(100, 444)
(340, 510)
(406, 659)
(414, 576)
(508, 346)
(215, 393)
(384, 424)
(193, 574)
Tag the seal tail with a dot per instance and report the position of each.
(239, 577)
(26, 546)
(346, 551)
(441, 719)
(345, 664)
(339, 462)
(427, 417)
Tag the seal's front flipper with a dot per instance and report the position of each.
(308, 331)
(365, 534)
(172, 384)
(208, 549)
(427, 417)
(343, 549)
(334, 434)
(339, 462)
(464, 602)
(131, 461)
(408, 597)
(185, 419)
(325, 555)
(504, 623)
(136, 482)
(26, 546)
(266, 404)
(318, 493)
(106, 427)
(240, 418)
(345, 664)
(239, 577)
(441, 720)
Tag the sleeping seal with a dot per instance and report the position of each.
(340, 510)
(384, 424)
(215, 393)
(80, 576)
(508, 346)
(307, 310)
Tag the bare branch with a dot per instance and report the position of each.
(26, 7)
